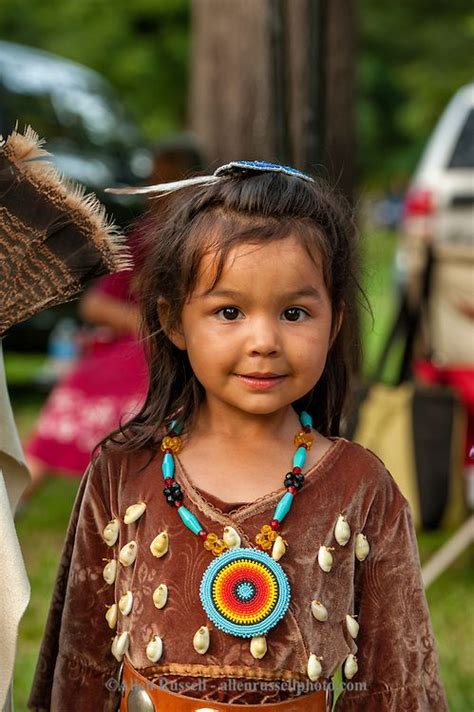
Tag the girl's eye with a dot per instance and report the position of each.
(229, 313)
(293, 313)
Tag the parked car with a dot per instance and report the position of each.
(87, 130)
(440, 200)
(439, 209)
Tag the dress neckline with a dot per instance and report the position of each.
(213, 504)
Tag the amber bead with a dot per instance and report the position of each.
(304, 440)
(219, 547)
(174, 444)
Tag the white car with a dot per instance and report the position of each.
(439, 209)
(440, 200)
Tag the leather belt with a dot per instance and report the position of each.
(141, 695)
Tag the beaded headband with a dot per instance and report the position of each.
(234, 168)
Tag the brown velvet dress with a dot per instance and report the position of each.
(398, 669)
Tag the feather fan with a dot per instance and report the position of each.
(53, 237)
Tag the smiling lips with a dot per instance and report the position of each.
(261, 381)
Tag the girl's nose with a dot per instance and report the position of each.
(264, 337)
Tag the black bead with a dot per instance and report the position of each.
(167, 491)
(170, 500)
(178, 495)
(299, 477)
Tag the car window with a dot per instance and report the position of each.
(463, 154)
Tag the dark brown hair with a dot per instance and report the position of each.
(255, 208)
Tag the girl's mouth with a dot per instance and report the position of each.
(261, 383)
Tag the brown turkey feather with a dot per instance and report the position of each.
(53, 237)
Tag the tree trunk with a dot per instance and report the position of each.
(274, 80)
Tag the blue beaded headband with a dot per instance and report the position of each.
(234, 168)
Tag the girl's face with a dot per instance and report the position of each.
(258, 340)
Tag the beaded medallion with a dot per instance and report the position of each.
(245, 592)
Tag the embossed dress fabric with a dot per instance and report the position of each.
(398, 668)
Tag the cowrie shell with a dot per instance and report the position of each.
(110, 571)
(111, 531)
(319, 611)
(342, 530)
(126, 603)
(350, 666)
(258, 646)
(352, 626)
(111, 615)
(160, 595)
(154, 649)
(314, 668)
(120, 645)
(362, 547)
(325, 559)
(134, 512)
(231, 538)
(128, 553)
(159, 545)
(201, 640)
(278, 548)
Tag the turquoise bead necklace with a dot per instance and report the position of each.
(244, 591)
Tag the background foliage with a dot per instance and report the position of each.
(412, 57)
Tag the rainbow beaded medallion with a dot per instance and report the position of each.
(245, 592)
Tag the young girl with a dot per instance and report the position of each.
(228, 548)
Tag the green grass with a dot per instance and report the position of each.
(42, 525)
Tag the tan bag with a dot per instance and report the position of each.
(418, 433)
(416, 430)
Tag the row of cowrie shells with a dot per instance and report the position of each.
(111, 530)
(202, 639)
(320, 612)
(201, 642)
(128, 554)
(314, 668)
(342, 534)
(125, 604)
(121, 643)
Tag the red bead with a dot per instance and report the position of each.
(203, 534)
(169, 481)
(259, 547)
(168, 452)
(306, 429)
(275, 524)
(178, 504)
(297, 470)
(292, 489)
